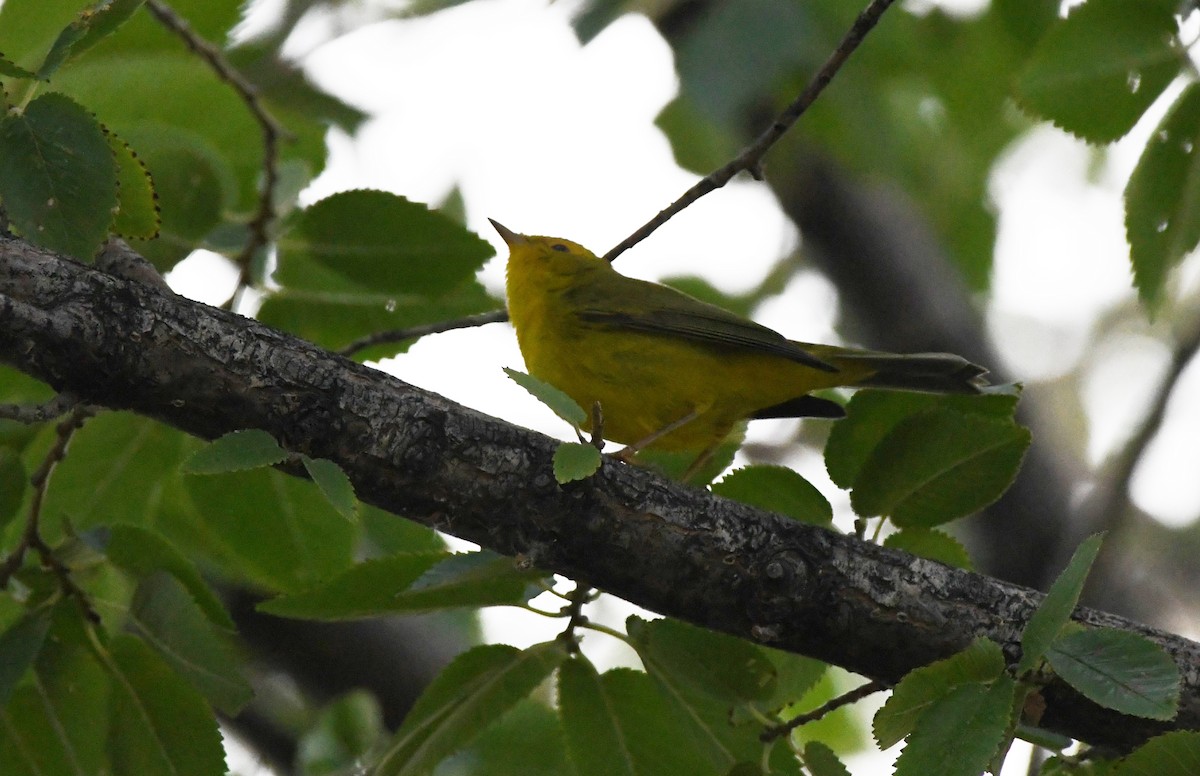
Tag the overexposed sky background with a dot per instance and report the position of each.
(498, 99)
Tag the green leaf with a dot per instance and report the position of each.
(697, 144)
(137, 214)
(705, 661)
(932, 544)
(142, 552)
(937, 466)
(1095, 72)
(1162, 199)
(159, 723)
(116, 472)
(58, 178)
(961, 732)
(265, 527)
(333, 318)
(777, 489)
(770, 38)
(57, 721)
(575, 461)
(526, 741)
(29, 27)
(871, 415)
(209, 19)
(1119, 670)
(795, 677)
(1172, 754)
(702, 675)
(12, 70)
(560, 403)
(377, 242)
(166, 616)
(174, 95)
(618, 724)
(922, 688)
(92, 25)
(13, 481)
(1048, 621)
(411, 582)
(236, 451)
(19, 646)
(820, 760)
(346, 732)
(334, 483)
(387, 534)
(476, 688)
(193, 185)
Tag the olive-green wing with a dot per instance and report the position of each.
(637, 305)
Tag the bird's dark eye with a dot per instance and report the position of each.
(560, 247)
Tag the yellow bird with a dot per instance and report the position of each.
(674, 373)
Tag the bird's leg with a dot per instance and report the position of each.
(696, 465)
(630, 451)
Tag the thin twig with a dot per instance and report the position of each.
(750, 159)
(31, 537)
(39, 413)
(412, 332)
(855, 695)
(581, 595)
(272, 132)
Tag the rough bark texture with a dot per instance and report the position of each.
(675, 550)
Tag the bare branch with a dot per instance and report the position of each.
(272, 131)
(750, 159)
(413, 332)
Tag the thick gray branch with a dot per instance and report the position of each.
(672, 549)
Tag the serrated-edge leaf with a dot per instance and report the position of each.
(1119, 670)
(19, 647)
(559, 402)
(92, 25)
(165, 725)
(334, 484)
(904, 473)
(1162, 198)
(871, 414)
(1172, 754)
(411, 582)
(141, 552)
(236, 451)
(1055, 610)
(961, 732)
(369, 240)
(479, 686)
(575, 461)
(778, 489)
(10, 69)
(596, 743)
(58, 176)
(921, 688)
(1095, 72)
(931, 543)
(138, 214)
(716, 664)
(342, 597)
(820, 760)
(167, 618)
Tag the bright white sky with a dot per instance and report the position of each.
(547, 137)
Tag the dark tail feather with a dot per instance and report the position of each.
(928, 372)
